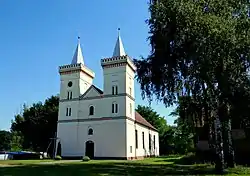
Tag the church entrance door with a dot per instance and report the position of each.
(89, 151)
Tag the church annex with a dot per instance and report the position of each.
(102, 124)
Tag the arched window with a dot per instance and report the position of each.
(69, 97)
(114, 90)
(68, 111)
(91, 110)
(114, 107)
(90, 132)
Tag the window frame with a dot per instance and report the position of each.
(90, 131)
(136, 139)
(91, 110)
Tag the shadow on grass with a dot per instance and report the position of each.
(107, 168)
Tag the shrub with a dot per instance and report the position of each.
(58, 158)
(85, 158)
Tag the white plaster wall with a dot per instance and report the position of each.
(127, 107)
(108, 137)
(130, 131)
(103, 107)
(140, 151)
(114, 76)
(130, 82)
(92, 93)
(81, 82)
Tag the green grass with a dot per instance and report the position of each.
(148, 167)
(23, 162)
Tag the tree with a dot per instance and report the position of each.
(198, 48)
(5, 138)
(37, 124)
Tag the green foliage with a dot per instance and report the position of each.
(199, 49)
(85, 159)
(36, 125)
(171, 139)
(5, 139)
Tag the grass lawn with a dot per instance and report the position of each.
(147, 167)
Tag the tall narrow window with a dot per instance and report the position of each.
(114, 108)
(91, 110)
(149, 141)
(130, 108)
(68, 112)
(143, 143)
(114, 90)
(136, 139)
(69, 97)
(130, 91)
(154, 141)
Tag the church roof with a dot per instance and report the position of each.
(119, 49)
(78, 58)
(140, 120)
(98, 90)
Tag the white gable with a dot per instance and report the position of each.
(92, 92)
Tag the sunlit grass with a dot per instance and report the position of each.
(150, 167)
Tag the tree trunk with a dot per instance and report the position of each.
(228, 143)
(219, 164)
(211, 141)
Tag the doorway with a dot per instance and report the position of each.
(90, 149)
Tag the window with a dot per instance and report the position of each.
(131, 150)
(149, 141)
(143, 143)
(68, 112)
(114, 90)
(90, 132)
(154, 141)
(130, 108)
(130, 91)
(114, 108)
(69, 97)
(136, 139)
(91, 110)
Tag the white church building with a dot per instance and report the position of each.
(102, 124)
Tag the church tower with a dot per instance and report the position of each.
(75, 79)
(118, 76)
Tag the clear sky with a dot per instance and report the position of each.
(38, 36)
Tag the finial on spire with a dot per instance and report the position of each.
(78, 39)
(78, 57)
(119, 49)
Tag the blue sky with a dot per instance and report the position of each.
(38, 36)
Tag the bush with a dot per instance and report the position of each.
(58, 158)
(85, 158)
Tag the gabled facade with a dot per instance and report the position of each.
(102, 124)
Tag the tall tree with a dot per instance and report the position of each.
(37, 124)
(5, 140)
(198, 48)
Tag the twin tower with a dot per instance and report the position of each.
(118, 84)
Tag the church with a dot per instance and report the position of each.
(102, 124)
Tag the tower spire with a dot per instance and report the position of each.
(119, 49)
(78, 58)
